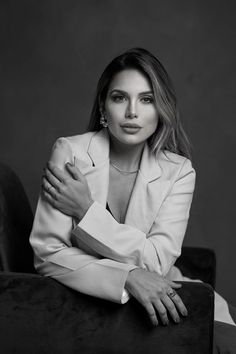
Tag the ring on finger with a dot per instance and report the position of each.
(171, 293)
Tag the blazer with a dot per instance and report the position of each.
(96, 255)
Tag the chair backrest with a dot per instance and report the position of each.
(16, 220)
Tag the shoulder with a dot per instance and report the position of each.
(76, 144)
(175, 166)
(66, 149)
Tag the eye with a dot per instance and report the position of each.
(147, 99)
(118, 98)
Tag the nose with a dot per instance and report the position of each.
(131, 111)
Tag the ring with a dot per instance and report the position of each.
(171, 293)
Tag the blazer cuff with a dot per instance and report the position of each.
(125, 296)
(92, 211)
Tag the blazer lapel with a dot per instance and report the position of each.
(146, 196)
(96, 168)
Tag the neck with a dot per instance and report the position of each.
(126, 157)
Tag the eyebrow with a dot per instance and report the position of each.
(125, 93)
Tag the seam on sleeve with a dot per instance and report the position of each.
(60, 140)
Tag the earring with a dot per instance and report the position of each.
(103, 120)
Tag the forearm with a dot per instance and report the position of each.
(120, 242)
(124, 243)
(101, 278)
(158, 247)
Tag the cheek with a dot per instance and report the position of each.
(153, 122)
(149, 114)
(114, 113)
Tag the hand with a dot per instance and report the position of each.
(68, 193)
(156, 294)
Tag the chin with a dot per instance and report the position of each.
(131, 140)
(128, 139)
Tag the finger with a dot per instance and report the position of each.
(49, 198)
(46, 185)
(48, 188)
(174, 285)
(179, 304)
(57, 172)
(151, 313)
(74, 171)
(161, 311)
(171, 308)
(54, 182)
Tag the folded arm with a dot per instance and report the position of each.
(115, 248)
(55, 255)
(156, 251)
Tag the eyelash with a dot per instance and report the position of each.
(117, 98)
(150, 99)
(120, 98)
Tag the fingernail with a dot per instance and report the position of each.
(155, 323)
(177, 320)
(185, 313)
(166, 322)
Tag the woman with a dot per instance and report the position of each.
(115, 202)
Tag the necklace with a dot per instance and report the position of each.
(122, 171)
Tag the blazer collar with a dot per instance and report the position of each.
(98, 151)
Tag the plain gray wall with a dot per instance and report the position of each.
(52, 53)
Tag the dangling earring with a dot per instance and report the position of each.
(103, 120)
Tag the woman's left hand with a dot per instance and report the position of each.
(69, 194)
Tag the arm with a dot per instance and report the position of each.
(74, 268)
(156, 251)
(56, 257)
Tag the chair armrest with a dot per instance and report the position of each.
(39, 315)
(198, 263)
(16, 219)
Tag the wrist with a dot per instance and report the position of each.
(83, 209)
(130, 278)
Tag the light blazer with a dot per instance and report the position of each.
(95, 256)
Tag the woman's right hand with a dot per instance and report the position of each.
(156, 294)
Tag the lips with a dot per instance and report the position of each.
(128, 125)
(130, 128)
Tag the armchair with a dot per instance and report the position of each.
(40, 315)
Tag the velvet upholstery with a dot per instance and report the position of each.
(15, 224)
(42, 316)
(39, 315)
(198, 263)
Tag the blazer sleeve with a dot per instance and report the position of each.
(56, 257)
(156, 251)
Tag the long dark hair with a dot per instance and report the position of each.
(169, 134)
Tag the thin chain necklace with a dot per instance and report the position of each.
(122, 171)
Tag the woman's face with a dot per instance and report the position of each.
(129, 108)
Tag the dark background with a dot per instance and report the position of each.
(52, 54)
